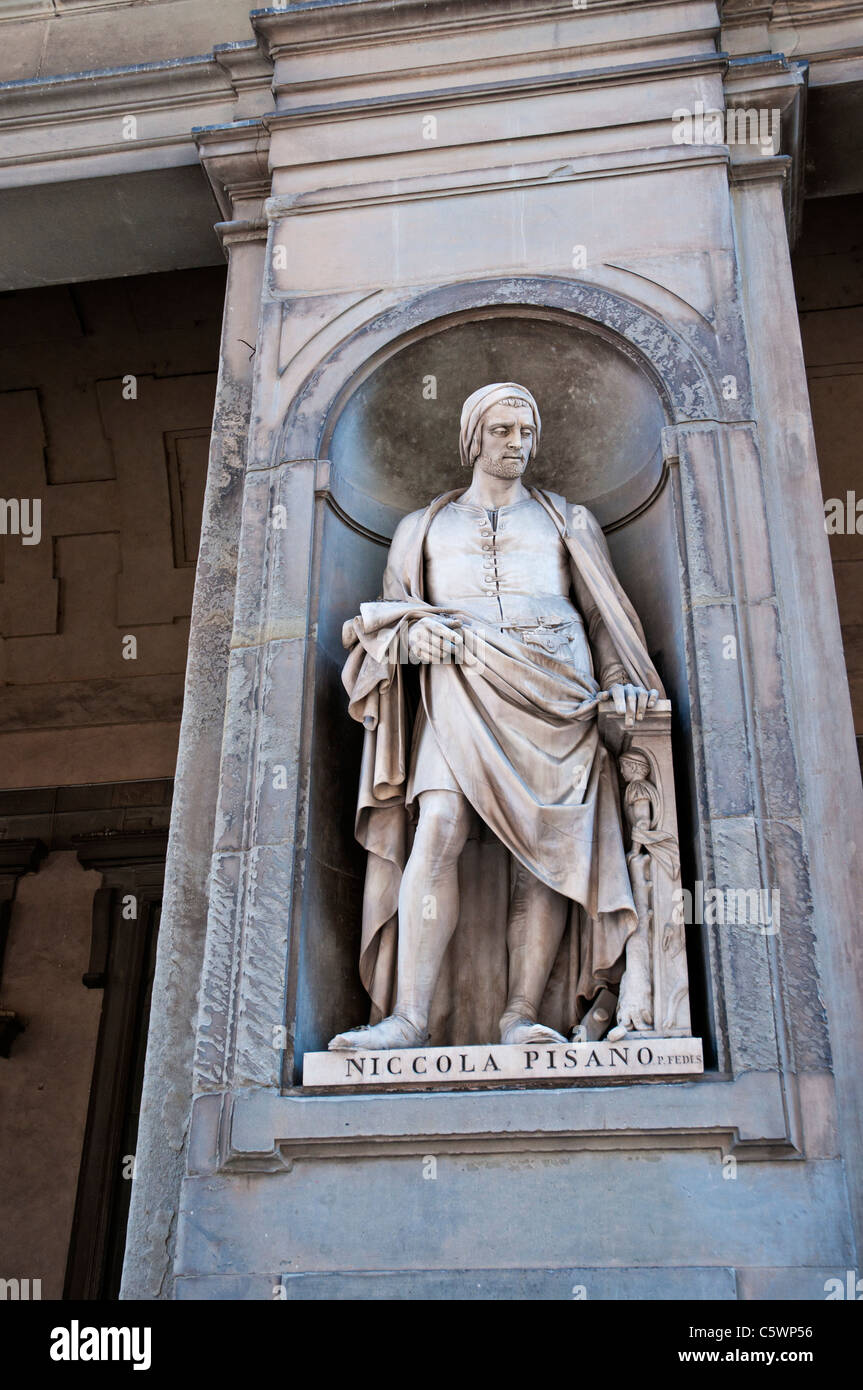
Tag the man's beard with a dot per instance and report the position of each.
(503, 467)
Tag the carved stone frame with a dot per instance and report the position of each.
(745, 788)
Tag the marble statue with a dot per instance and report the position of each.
(500, 602)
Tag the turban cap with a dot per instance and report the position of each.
(482, 400)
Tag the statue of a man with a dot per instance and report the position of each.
(505, 598)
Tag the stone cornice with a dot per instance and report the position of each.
(236, 161)
(246, 64)
(72, 126)
(762, 170)
(789, 12)
(770, 82)
(120, 849)
(35, 10)
(18, 857)
(517, 87)
(147, 86)
(45, 9)
(337, 50)
(326, 23)
(826, 33)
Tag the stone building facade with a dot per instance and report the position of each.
(649, 211)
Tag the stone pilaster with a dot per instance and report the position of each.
(238, 168)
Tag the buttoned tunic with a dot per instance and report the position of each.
(509, 571)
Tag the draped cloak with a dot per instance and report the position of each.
(572, 841)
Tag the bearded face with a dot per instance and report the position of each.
(507, 437)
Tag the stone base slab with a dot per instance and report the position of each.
(563, 1063)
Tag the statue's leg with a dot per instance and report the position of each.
(537, 919)
(429, 901)
(428, 914)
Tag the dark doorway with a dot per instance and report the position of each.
(125, 932)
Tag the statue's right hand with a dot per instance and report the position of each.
(432, 641)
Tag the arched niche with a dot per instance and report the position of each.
(396, 439)
(391, 437)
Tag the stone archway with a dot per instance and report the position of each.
(388, 442)
(684, 374)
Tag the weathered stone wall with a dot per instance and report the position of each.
(106, 402)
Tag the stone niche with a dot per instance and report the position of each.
(390, 441)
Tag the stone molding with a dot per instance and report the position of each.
(235, 159)
(259, 1130)
(680, 371)
(773, 84)
(469, 94)
(346, 22)
(71, 126)
(828, 34)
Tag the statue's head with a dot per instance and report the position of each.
(634, 765)
(500, 428)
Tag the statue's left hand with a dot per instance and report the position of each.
(633, 701)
